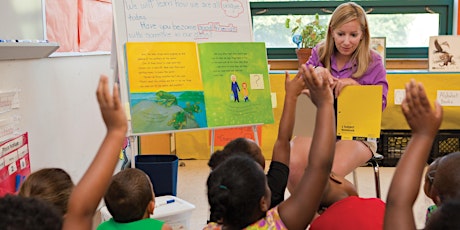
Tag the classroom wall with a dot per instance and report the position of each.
(58, 108)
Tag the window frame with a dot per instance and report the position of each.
(445, 8)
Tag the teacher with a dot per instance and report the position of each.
(345, 58)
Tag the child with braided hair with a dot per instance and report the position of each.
(238, 192)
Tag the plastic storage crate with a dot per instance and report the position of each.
(445, 142)
(393, 144)
(162, 170)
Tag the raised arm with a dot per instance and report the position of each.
(424, 122)
(305, 199)
(89, 191)
(293, 89)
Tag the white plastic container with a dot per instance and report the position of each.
(177, 213)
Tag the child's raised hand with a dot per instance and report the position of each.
(111, 109)
(419, 114)
(295, 86)
(321, 71)
(318, 86)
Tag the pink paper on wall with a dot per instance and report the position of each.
(14, 164)
(95, 25)
(62, 24)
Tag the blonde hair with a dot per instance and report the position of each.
(343, 14)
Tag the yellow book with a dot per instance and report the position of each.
(359, 112)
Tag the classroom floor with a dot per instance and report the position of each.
(191, 186)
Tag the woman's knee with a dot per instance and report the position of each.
(350, 155)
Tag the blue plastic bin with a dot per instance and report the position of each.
(162, 170)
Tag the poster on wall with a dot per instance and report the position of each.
(444, 53)
(14, 164)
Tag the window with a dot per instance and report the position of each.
(407, 25)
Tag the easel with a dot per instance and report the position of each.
(128, 30)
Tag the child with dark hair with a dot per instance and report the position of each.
(130, 200)
(446, 183)
(428, 188)
(442, 182)
(240, 144)
(447, 217)
(33, 213)
(236, 186)
(28, 213)
(238, 193)
(424, 122)
(278, 172)
(53, 185)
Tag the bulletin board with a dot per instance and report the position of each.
(14, 164)
(139, 22)
(444, 87)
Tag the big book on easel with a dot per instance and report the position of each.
(187, 85)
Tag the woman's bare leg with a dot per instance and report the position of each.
(300, 147)
(349, 155)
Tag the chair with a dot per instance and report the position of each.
(374, 161)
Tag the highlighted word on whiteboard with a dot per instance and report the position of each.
(449, 97)
(399, 96)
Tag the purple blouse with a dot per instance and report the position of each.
(375, 74)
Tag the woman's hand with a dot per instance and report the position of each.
(339, 84)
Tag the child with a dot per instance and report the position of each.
(342, 208)
(447, 217)
(238, 190)
(446, 181)
(245, 91)
(444, 177)
(131, 200)
(28, 213)
(428, 188)
(53, 185)
(239, 144)
(278, 172)
(424, 122)
(87, 194)
(444, 213)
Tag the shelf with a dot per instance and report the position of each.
(26, 50)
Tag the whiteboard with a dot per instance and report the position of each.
(182, 20)
(22, 19)
(177, 20)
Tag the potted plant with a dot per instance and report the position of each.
(306, 36)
